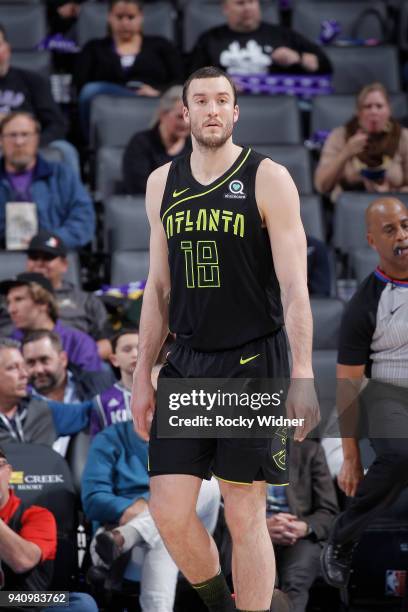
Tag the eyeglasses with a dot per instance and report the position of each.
(40, 256)
(19, 135)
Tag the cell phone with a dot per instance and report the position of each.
(373, 174)
(134, 84)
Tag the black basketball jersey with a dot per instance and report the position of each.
(224, 290)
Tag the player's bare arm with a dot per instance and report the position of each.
(278, 203)
(349, 381)
(154, 316)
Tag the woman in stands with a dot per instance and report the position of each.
(369, 153)
(125, 63)
(166, 140)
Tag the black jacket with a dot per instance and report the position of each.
(26, 91)
(231, 52)
(144, 153)
(158, 64)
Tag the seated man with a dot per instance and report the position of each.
(25, 418)
(25, 90)
(115, 489)
(31, 305)
(47, 255)
(247, 45)
(299, 520)
(53, 377)
(28, 545)
(53, 196)
(113, 404)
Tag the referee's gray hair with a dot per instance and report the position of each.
(167, 101)
(7, 343)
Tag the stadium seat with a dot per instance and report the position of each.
(202, 15)
(268, 120)
(308, 16)
(363, 262)
(14, 262)
(329, 112)
(42, 477)
(311, 213)
(108, 172)
(324, 369)
(355, 67)
(296, 158)
(327, 313)
(115, 120)
(26, 26)
(126, 224)
(76, 456)
(129, 266)
(38, 61)
(158, 20)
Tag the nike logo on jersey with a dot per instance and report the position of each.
(243, 361)
(395, 309)
(176, 193)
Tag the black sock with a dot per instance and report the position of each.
(215, 594)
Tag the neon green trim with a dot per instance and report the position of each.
(199, 195)
(285, 484)
(232, 481)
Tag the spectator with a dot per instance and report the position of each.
(50, 374)
(47, 255)
(24, 418)
(31, 305)
(61, 203)
(318, 267)
(299, 520)
(125, 63)
(113, 405)
(369, 153)
(63, 15)
(115, 489)
(247, 45)
(23, 90)
(166, 140)
(373, 343)
(28, 546)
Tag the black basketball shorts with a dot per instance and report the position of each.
(240, 461)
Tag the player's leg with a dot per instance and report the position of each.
(173, 501)
(253, 560)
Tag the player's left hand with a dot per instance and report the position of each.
(301, 403)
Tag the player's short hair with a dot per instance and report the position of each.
(39, 334)
(122, 332)
(138, 3)
(208, 72)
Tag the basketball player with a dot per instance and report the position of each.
(223, 220)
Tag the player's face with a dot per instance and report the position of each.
(211, 112)
(388, 235)
(374, 112)
(13, 375)
(45, 365)
(125, 20)
(125, 357)
(242, 15)
(52, 268)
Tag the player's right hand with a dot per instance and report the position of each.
(143, 405)
(350, 476)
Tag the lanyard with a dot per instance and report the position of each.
(18, 420)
